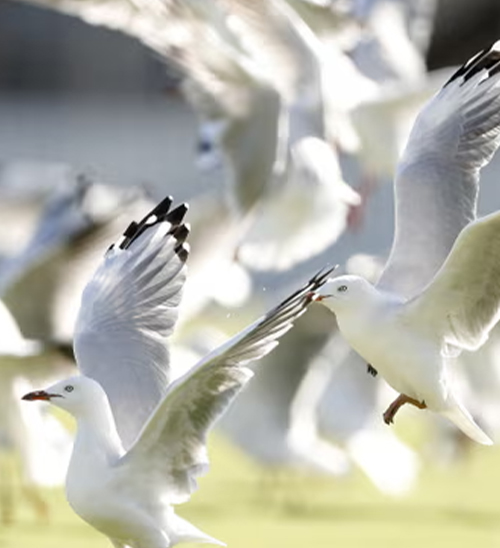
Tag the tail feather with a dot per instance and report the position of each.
(462, 418)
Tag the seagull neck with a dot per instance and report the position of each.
(96, 428)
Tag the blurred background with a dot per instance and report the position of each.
(281, 123)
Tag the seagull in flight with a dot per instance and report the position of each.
(439, 293)
(141, 440)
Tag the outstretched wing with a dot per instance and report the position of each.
(437, 180)
(462, 303)
(128, 311)
(171, 449)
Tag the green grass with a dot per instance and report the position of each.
(456, 507)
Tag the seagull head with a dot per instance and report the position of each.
(76, 395)
(345, 293)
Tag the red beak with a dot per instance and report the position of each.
(315, 297)
(39, 395)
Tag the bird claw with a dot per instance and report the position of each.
(391, 411)
(388, 417)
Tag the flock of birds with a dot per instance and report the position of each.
(286, 91)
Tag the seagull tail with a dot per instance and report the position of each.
(462, 418)
(187, 532)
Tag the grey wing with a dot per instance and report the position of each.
(462, 303)
(171, 450)
(128, 311)
(437, 179)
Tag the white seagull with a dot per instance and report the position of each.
(439, 293)
(140, 441)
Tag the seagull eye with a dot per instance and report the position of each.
(342, 288)
(69, 388)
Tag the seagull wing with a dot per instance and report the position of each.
(128, 311)
(289, 54)
(437, 179)
(462, 303)
(171, 449)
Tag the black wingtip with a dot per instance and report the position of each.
(162, 208)
(182, 252)
(180, 232)
(487, 59)
(158, 214)
(321, 277)
(176, 215)
(307, 292)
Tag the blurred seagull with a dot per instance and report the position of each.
(307, 205)
(140, 441)
(387, 54)
(23, 361)
(41, 285)
(252, 72)
(259, 421)
(439, 292)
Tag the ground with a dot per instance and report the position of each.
(453, 506)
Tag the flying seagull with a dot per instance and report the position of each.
(439, 293)
(140, 441)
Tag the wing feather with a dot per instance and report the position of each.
(437, 179)
(171, 449)
(462, 303)
(128, 311)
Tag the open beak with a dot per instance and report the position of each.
(39, 395)
(315, 297)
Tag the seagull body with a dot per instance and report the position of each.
(438, 294)
(403, 348)
(141, 438)
(97, 469)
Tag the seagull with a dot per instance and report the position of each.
(252, 74)
(439, 292)
(140, 440)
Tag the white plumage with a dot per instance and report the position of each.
(439, 291)
(141, 439)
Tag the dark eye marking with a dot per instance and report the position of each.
(69, 388)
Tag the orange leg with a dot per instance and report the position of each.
(391, 411)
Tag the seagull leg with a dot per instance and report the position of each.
(391, 411)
